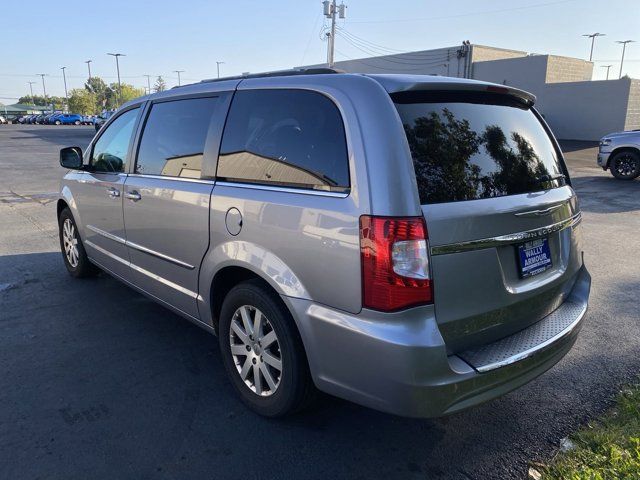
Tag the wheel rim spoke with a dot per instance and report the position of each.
(245, 368)
(246, 320)
(271, 360)
(257, 379)
(268, 339)
(237, 329)
(239, 350)
(268, 377)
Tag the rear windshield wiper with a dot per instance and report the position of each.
(549, 178)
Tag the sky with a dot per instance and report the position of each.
(161, 36)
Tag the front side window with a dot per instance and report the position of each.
(290, 138)
(174, 137)
(468, 146)
(110, 151)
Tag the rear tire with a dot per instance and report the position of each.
(73, 252)
(57, 122)
(76, 122)
(258, 352)
(625, 165)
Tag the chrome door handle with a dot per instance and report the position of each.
(133, 195)
(113, 192)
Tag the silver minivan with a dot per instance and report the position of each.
(409, 243)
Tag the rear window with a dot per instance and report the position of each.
(468, 146)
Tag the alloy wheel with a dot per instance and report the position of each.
(625, 165)
(255, 350)
(70, 242)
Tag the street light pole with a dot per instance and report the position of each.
(218, 67)
(593, 36)
(118, 70)
(88, 62)
(64, 76)
(607, 67)
(31, 88)
(624, 47)
(178, 72)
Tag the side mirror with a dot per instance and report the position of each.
(71, 157)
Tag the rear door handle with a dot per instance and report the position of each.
(113, 192)
(133, 195)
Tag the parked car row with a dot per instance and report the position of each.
(57, 118)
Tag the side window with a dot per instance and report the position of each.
(174, 138)
(290, 138)
(110, 151)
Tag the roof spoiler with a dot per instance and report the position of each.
(393, 84)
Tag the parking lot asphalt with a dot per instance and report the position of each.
(96, 381)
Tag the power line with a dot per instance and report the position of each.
(398, 60)
(411, 57)
(471, 14)
(420, 67)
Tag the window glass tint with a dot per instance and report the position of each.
(174, 138)
(291, 138)
(471, 146)
(110, 151)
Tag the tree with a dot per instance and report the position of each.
(129, 92)
(103, 95)
(57, 102)
(82, 101)
(160, 85)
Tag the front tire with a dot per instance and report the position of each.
(76, 122)
(58, 122)
(73, 252)
(625, 165)
(262, 351)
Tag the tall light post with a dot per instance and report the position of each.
(64, 77)
(88, 62)
(607, 67)
(624, 47)
(218, 67)
(44, 88)
(117, 55)
(31, 88)
(593, 36)
(148, 82)
(330, 9)
(178, 72)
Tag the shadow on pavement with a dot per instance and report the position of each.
(606, 194)
(100, 382)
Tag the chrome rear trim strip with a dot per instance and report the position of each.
(494, 242)
(140, 248)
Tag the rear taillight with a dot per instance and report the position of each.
(395, 263)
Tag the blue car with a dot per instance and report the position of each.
(67, 119)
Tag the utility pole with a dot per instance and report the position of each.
(31, 88)
(64, 76)
(593, 36)
(178, 72)
(624, 47)
(607, 67)
(330, 10)
(218, 67)
(148, 82)
(44, 89)
(118, 69)
(88, 62)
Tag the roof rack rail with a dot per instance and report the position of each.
(279, 73)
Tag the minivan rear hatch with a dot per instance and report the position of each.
(500, 211)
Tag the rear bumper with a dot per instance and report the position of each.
(398, 362)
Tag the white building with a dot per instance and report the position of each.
(576, 107)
